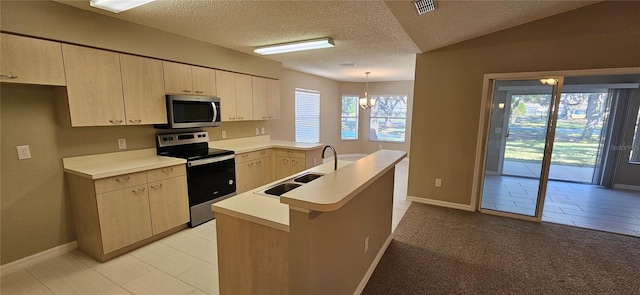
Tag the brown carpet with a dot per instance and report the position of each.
(446, 251)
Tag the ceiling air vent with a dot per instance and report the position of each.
(424, 6)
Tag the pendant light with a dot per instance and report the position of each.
(367, 102)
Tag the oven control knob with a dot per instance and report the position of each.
(230, 181)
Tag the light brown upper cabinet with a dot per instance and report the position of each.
(143, 90)
(94, 86)
(101, 83)
(260, 98)
(244, 97)
(266, 99)
(226, 86)
(31, 61)
(186, 79)
(273, 99)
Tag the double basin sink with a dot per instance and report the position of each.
(290, 184)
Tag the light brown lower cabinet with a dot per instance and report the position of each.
(117, 214)
(254, 169)
(289, 161)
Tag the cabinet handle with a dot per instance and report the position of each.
(294, 162)
(263, 152)
(270, 117)
(289, 153)
(123, 179)
(186, 91)
(167, 170)
(259, 163)
(137, 191)
(250, 164)
(8, 76)
(285, 161)
(135, 121)
(115, 121)
(198, 91)
(156, 186)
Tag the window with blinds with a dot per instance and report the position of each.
(307, 116)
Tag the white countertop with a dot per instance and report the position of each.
(250, 144)
(327, 193)
(112, 164)
(335, 189)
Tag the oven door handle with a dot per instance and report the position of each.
(209, 160)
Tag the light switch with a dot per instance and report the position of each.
(23, 152)
(257, 131)
(262, 130)
(224, 134)
(122, 143)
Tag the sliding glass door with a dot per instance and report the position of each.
(518, 143)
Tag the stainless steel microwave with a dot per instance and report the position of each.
(190, 111)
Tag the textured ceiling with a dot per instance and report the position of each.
(380, 37)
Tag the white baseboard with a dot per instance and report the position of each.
(440, 203)
(627, 187)
(373, 266)
(38, 257)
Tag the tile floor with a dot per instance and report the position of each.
(184, 263)
(556, 172)
(581, 205)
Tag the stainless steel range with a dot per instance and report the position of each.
(211, 173)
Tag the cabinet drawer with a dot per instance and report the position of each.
(166, 172)
(291, 153)
(262, 153)
(245, 157)
(120, 182)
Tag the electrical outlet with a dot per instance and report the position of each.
(257, 131)
(366, 245)
(23, 152)
(262, 130)
(224, 134)
(380, 146)
(122, 143)
(438, 182)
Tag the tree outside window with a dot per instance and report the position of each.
(349, 122)
(388, 119)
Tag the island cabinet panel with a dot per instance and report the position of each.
(244, 97)
(143, 90)
(226, 87)
(124, 217)
(31, 61)
(94, 86)
(117, 214)
(253, 258)
(253, 169)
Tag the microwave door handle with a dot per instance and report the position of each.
(215, 111)
(209, 160)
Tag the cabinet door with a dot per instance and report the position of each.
(204, 81)
(169, 203)
(245, 176)
(244, 97)
(31, 61)
(259, 172)
(259, 98)
(94, 86)
(283, 167)
(124, 217)
(143, 90)
(297, 165)
(273, 99)
(226, 87)
(177, 78)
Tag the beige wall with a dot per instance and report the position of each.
(48, 19)
(448, 87)
(379, 88)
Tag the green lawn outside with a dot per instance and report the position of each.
(527, 144)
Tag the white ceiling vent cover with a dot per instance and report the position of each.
(424, 6)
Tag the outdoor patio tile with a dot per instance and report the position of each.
(606, 228)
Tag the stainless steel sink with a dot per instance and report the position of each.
(281, 188)
(306, 178)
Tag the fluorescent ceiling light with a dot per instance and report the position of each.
(295, 46)
(116, 6)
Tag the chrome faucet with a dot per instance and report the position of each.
(335, 156)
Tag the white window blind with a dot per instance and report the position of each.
(307, 116)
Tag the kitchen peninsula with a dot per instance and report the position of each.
(323, 237)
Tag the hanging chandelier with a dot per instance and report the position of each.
(367, 102)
